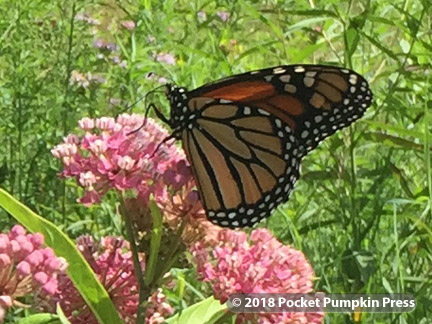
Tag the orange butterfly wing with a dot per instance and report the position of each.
(245, 135)
(313, 100)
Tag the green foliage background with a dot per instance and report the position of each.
(362, 209)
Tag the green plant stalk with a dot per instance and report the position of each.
(137, 265)
(65, 104)
(155, 240)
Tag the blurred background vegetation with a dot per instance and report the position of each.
(362, 209)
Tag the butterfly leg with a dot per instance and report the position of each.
(166, 139)
(157, 112)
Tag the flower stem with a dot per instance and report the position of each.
(144, 291)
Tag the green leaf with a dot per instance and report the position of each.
(61, 315)
(400, 130)
(79, 270)
(207, 311)
(44, 318)
(379, 44)
(393, 141)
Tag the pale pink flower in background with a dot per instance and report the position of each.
(202, 16)
(115, 102)
(223, 15)
(112, 47)
(255, 264)
(128, 24)
(162, 80)
(167, 58)
(79, 79)
(116, 59)
(111, 260)
(99, 43)
(103, 44)
(81, 16)
(159, 79)
(26, 267)
(95, 78)
(151, 39)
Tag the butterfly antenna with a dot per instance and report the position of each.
(145, 105)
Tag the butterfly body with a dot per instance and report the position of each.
(245, 135)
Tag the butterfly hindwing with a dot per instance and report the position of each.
(245, 161)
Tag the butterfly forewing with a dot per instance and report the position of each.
(313, 100)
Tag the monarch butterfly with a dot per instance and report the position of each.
(245, 135)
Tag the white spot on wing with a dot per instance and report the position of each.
(299, 69)
(285, 78)
(279, 70)
(308, 82)
(263, 112)
(231, 215)
(290, 88)
(311, 73)
(353, 79)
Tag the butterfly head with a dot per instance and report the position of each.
(178, 99)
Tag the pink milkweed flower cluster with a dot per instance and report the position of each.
(120, 154)
(259, 265)
(157, 308)
(111, 260)
(26, 267)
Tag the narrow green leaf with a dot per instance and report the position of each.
(379, 44)
(207, 311)
(61, 315)
(79, 270)
(400, 130)
(257, 14)
(393, 141)
(44, 318)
